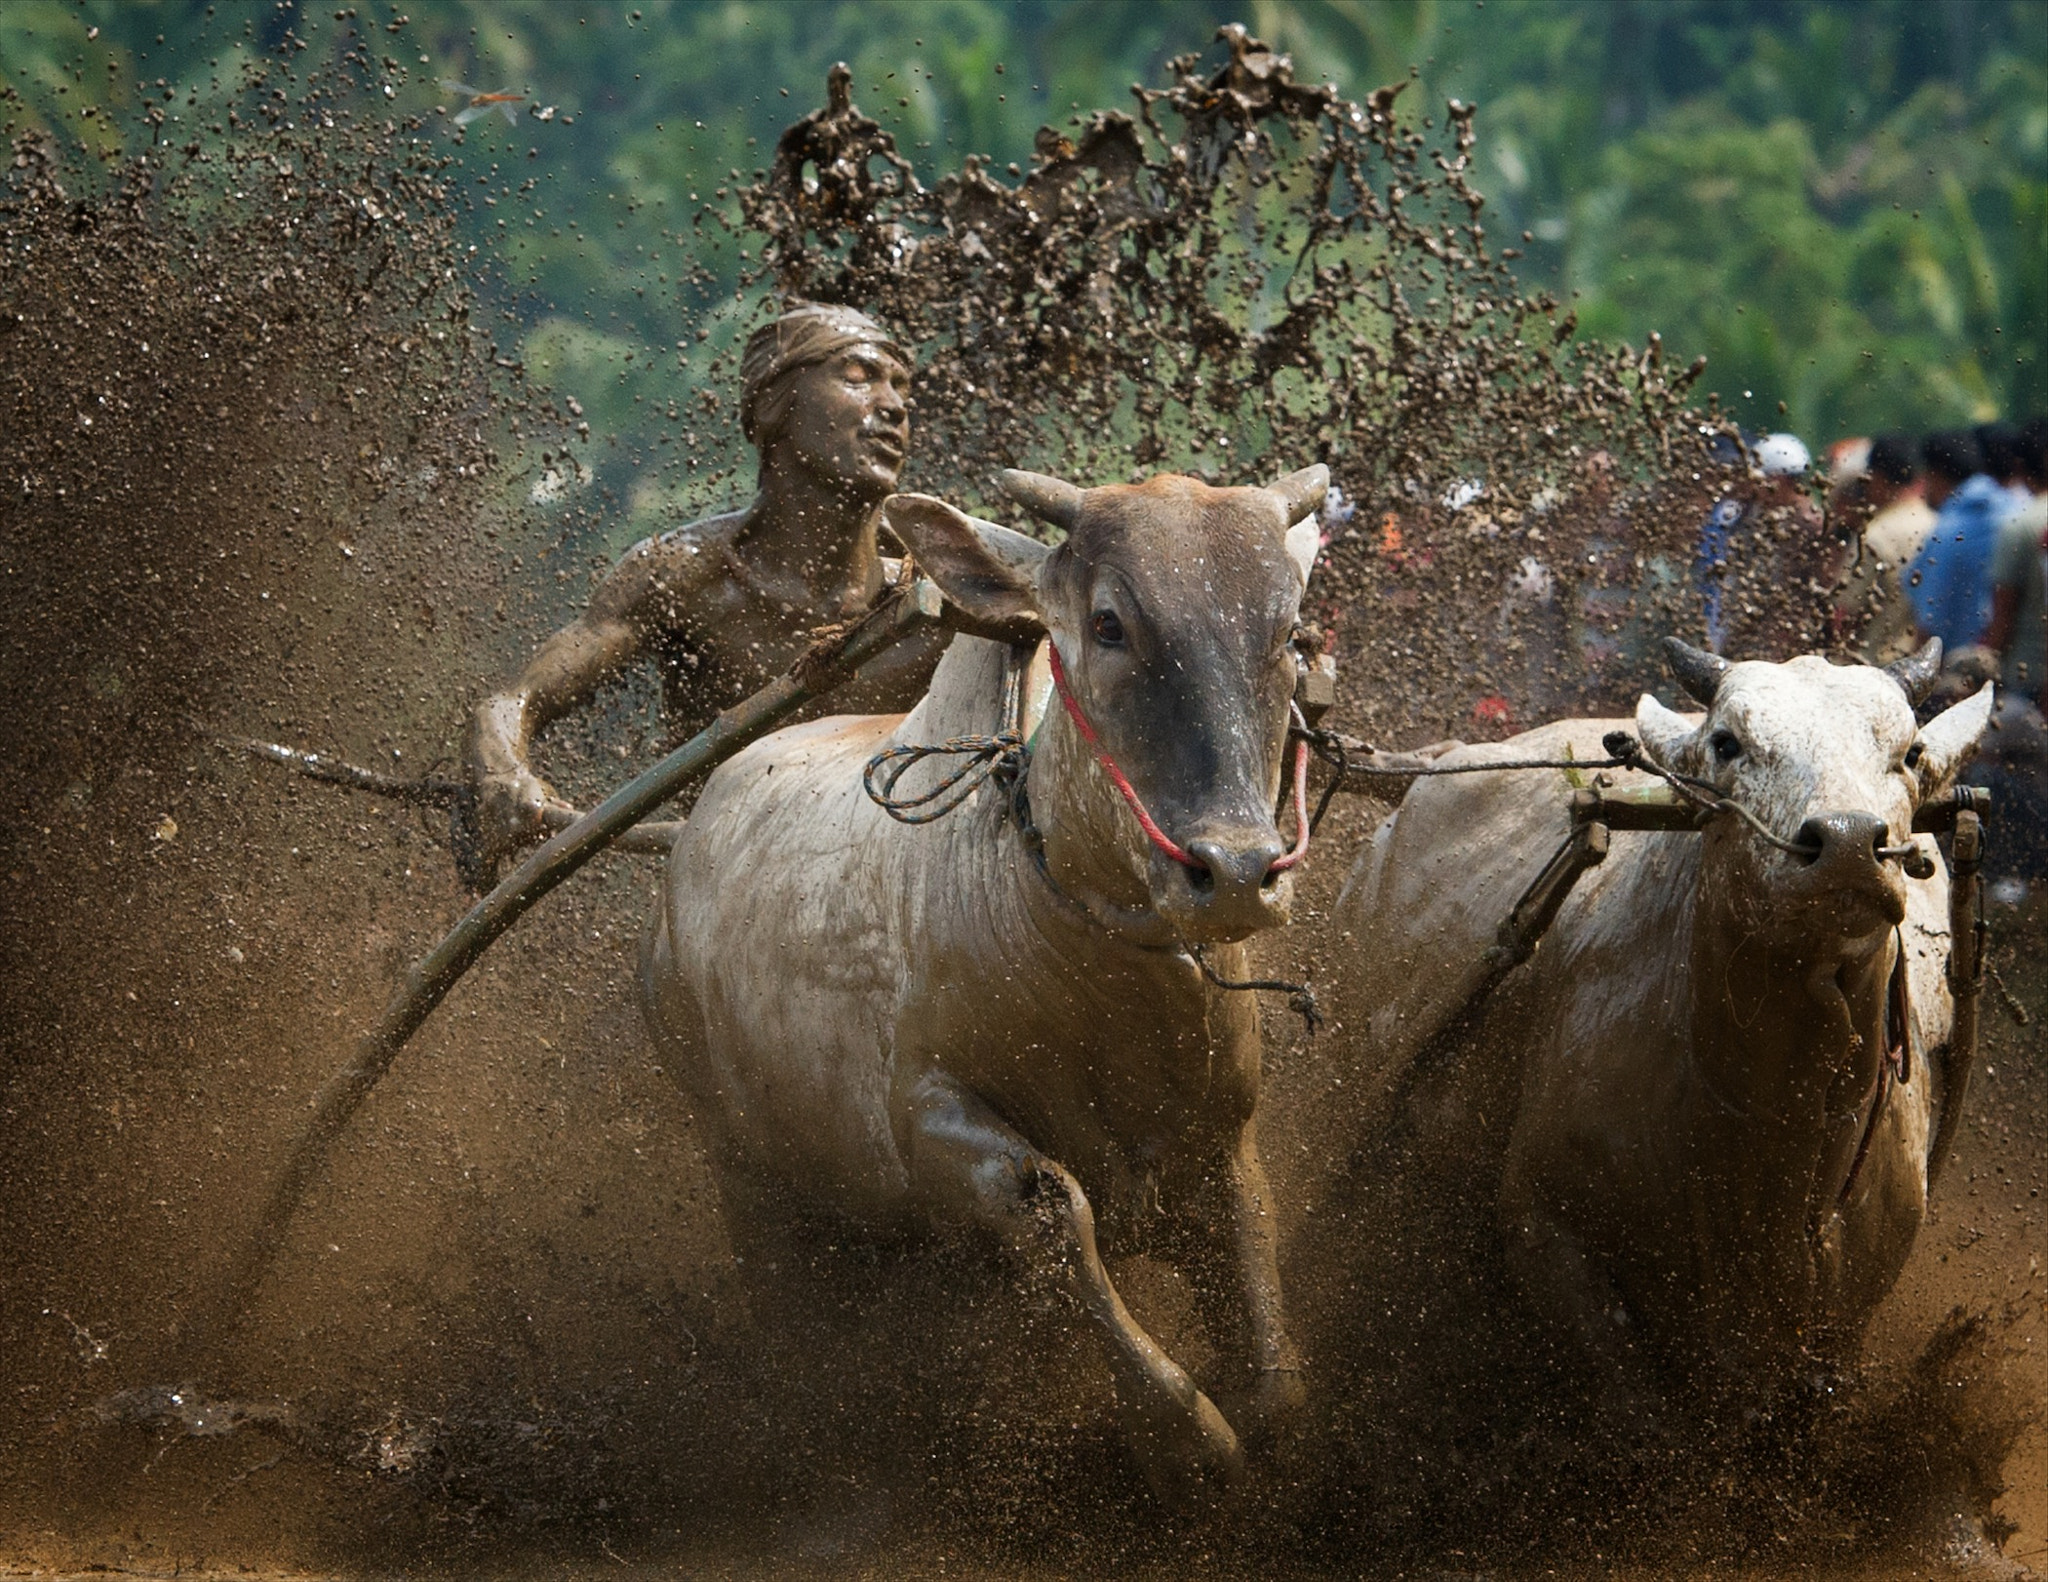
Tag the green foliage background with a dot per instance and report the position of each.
(1842, 203)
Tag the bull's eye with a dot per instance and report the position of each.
(1913, 755)
(1109, 631)
(1726, 748)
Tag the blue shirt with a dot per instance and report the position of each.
(1710, 566)
(1949, 580)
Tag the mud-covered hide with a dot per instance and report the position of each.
(1690, 1063)
(992, 1022)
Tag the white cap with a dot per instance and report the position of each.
(1783, 455)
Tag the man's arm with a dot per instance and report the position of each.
(639, 596)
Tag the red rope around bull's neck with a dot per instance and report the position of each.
(1153, 832)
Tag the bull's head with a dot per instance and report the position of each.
(1171, 604)
(1829, 758)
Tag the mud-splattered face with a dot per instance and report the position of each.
(1829, 758)
(848, 423)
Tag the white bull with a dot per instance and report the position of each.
(1729, 1057)
(962, 1022)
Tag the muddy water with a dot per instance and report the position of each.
(261, 473)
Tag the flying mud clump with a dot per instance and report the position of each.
(1247, 267)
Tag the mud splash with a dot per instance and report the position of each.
(1246, 274)
(264, 467)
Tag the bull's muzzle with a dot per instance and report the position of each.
(1231, 890)
(1836, 838)
(1846, 854)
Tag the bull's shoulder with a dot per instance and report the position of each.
(1427, 896)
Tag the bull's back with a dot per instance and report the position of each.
(1426, 898)
(772, 978)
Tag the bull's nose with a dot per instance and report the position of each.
(1835, 839)
(1234, 868)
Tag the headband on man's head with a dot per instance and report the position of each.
(806, 334)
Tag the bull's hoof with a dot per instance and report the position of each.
(1278, 1397)
(1189, 1455)
(1265, 1405)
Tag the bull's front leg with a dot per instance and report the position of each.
(967, 1163)
(1234, 1258)
(1571, 1291)
(1278, 1392)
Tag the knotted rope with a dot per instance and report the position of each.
(1303, 824)
(1000, 756)
(1301, 999)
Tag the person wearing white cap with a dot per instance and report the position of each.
(1749, 577)
(1783, 456)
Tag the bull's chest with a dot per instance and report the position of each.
(1115, 1061)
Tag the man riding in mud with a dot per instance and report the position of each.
(725, 603)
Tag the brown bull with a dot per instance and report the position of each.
(982, 1021)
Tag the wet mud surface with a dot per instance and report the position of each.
(264, 472)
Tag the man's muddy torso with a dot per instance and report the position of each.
(721, 633)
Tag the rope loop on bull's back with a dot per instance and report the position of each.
(1000, 756)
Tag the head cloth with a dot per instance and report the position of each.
(806, 334)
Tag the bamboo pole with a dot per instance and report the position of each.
(822, 668)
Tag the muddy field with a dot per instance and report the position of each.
(512, 1334)
(285, 489)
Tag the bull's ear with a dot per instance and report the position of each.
(1663, 732)
(988, 573)
(1947, 741)
(1304, 539)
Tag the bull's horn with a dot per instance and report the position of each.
(1302, 492)
(1915, 673)
(1698, 671)
(1051, 500)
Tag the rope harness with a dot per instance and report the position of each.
(1005, 758)
(1153, 832)
(1627, 753)
(1894, 1067)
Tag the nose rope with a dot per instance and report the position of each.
(1706, 795)
(1146, 822)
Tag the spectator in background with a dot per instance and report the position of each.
(1949, 580)
(1895, 522)
(2000, 443)
(2014, 758)
(2019, 569)
(1762, 538)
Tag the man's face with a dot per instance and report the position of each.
(849, 422)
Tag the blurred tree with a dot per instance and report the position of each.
(1843, 203)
